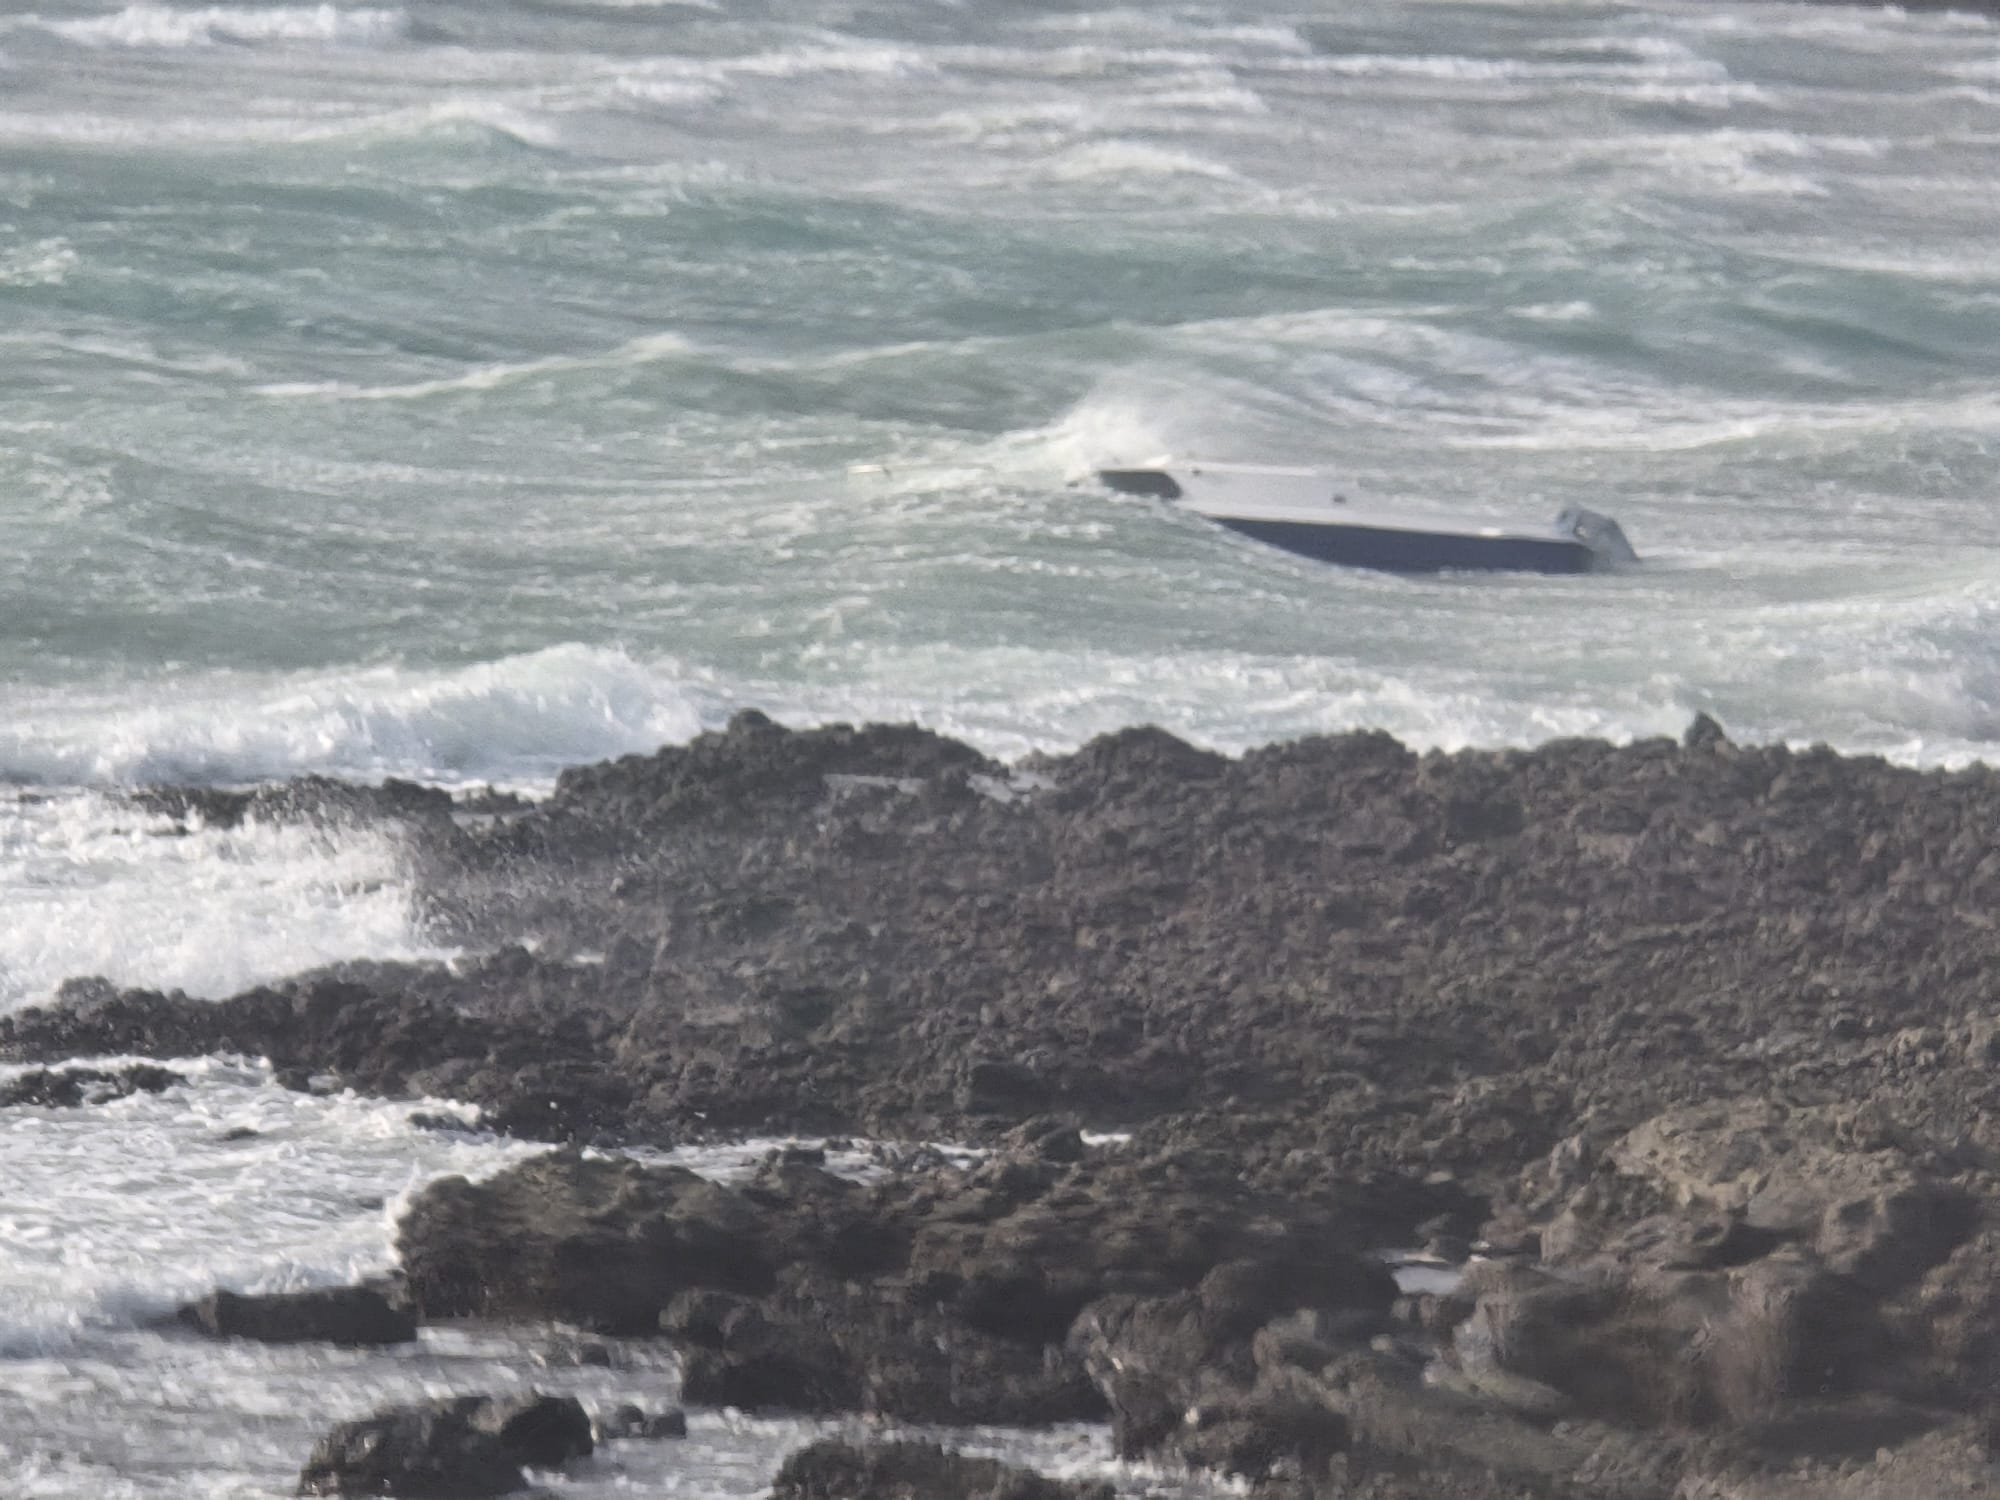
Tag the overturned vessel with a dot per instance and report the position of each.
(1304, 511)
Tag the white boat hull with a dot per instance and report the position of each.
(1305, 512)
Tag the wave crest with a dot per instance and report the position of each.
(516, 721)
(160, 26)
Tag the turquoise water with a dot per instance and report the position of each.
(461, 389)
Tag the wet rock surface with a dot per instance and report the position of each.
(1696, 1044)
(914, 1471)
(72, 1088)
(351, 1317)
(458, 1448)
(942, 1297)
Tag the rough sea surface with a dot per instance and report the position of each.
(460, 389)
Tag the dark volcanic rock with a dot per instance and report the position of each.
(596, 1242)
(1395, 964)
(1728, 1262)
(432, 1451)
(67, 1088)
(308, 799)
(543, 1432)
(753, 769)
(834, 1470)
(822, 1344)
(346, 1315)
(1712, 1025)
(385, 1029)
(460, 1448)
(938, 1297)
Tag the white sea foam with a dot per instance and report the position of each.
(114, 1213)
(118, 1211)
(1675, 67)
(837, 56)
(92, 886)
(1451, 69)
(1213, 32)
(640, 351)
(1034, 121)
(1095, 60)
(1666, 424)
(467, 117)
(1556, 312)
(163, 26)
(1131, 159)
(502, 119)
(1878, 25)
(1717, 96)
(676, 93)
(1015, 700)
(44, 263)
(1176, 101)
(1654, 49)
(517, 721)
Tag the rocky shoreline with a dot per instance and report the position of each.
(1684, 1052)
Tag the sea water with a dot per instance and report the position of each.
(460, 389)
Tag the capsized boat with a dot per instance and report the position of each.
(1307, 512)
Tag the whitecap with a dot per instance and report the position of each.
(1135, 159)
(1555, 312)
(517, 720)
(94, 886)
(46, 262)
(879, 60)
(640, 351)
(118, 1211)
(160, 26)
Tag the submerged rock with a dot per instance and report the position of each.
(427, 1452)
(69, 1088)
(460, 1448)
(306, 799)
(347, 1315)
(834, 1470)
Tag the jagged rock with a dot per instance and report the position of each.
(1950, 1464)
(1731, 1261)
(834, 1470)
(68, 1088)
(1162, 930)
(1644, 1343)
(1952, 1318)
(601, 1243)
(316, 799)
(433, 1452)
(543, 1432)
(822, 1344)
(347, 1315)
(944, 1296)
(1704, 734)
(1159, 1359)
(459, 1448)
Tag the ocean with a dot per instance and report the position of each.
(462, 389)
